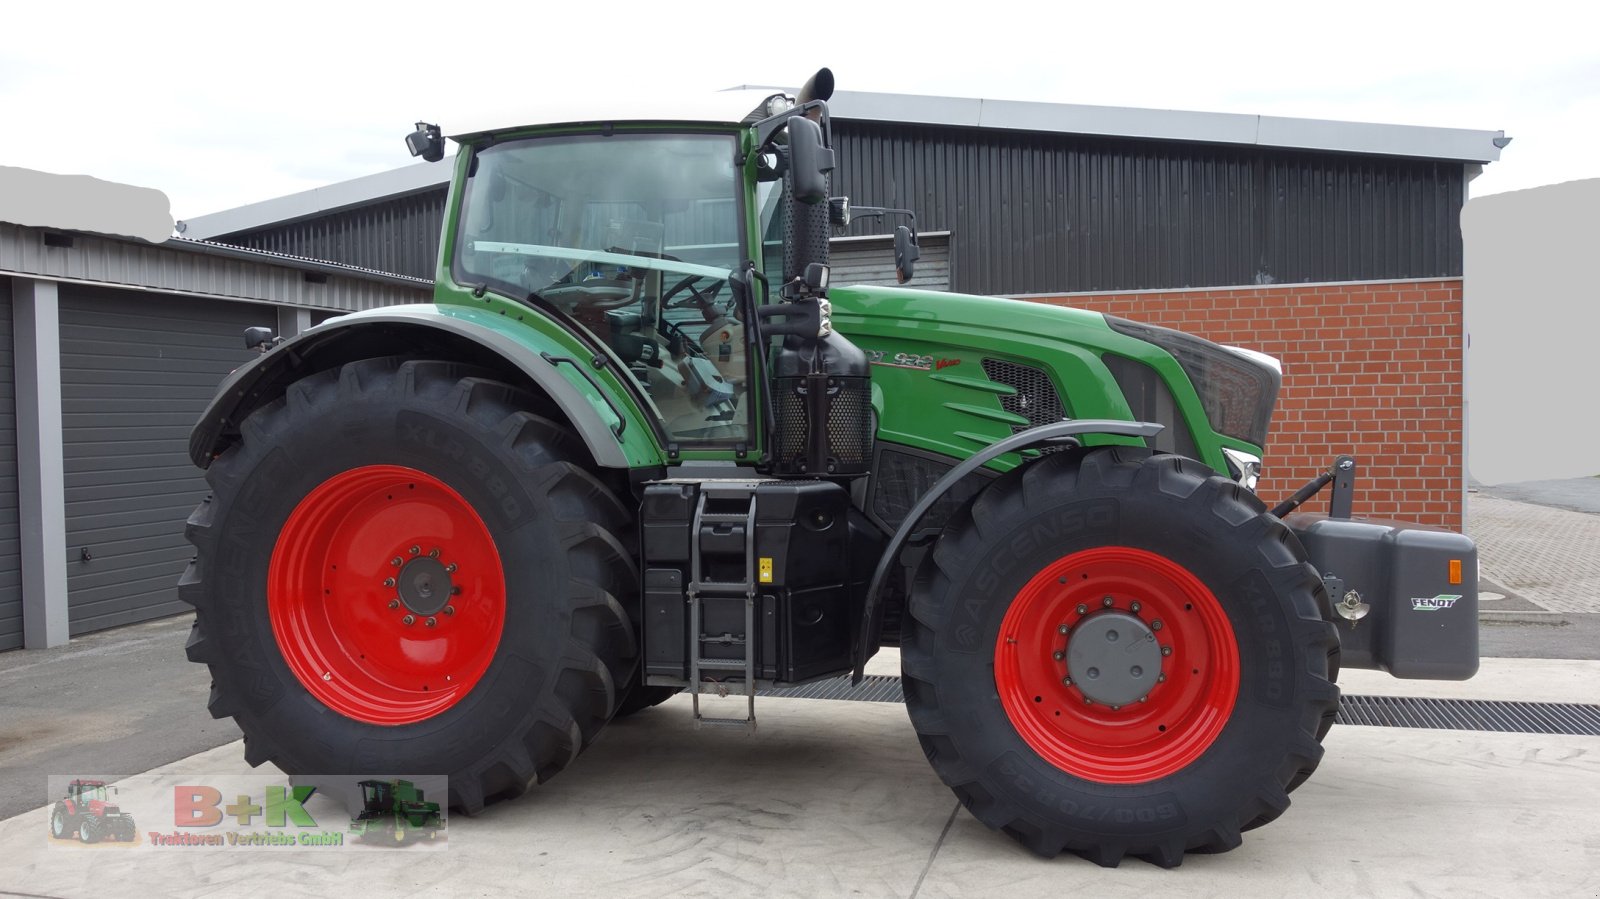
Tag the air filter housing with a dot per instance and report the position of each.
(822, 403)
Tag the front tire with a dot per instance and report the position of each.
(400, 569)
(1112, 653)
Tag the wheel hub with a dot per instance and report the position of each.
(1113, 658)
(424, 585)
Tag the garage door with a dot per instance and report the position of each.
(137, 369)
(10, 551)
(870, 260)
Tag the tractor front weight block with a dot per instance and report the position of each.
(1405, 596)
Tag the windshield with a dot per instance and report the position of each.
(633, 237)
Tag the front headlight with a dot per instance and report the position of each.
(1236, 389)
(1245, 468)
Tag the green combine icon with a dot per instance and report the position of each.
(396, 810)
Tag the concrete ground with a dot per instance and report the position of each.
(835, 798)
(1572, 494)
(124, 701)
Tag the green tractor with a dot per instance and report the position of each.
(638, 444)
(395, 811)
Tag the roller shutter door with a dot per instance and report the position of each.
(137, 369)
(10, 532)
(870, 260)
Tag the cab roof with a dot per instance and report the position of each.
(719, 108)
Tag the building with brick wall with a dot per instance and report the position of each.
(1333, 246)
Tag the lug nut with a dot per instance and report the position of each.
(1134, 607)
(388, 582)
(415, 550)
(1155, 625)
(1160, 679)
(1107, 601)
(1143, 698)
(397, 561)
(449, 610)
(1083, 609)
(394, 603)
(450, 569)
(1088, 701)
(1116, 708)
(408, 620)
(1066, 682)
(433, 553)
(431, 622)
(455, 591)
(1062, 629)
(1058, 655)
(1166, 650)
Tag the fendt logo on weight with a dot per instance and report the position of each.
(1434, 604)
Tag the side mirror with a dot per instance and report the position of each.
(258, 339)
(809, 161)
(426, 142)
(906, 253)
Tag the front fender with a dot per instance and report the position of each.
(617, 432)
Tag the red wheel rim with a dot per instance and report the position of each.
(1146, 739)
(386, 595)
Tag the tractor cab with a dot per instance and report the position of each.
(377, 799)
(630, 237)
(87, 791)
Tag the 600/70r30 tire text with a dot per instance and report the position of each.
(1113, 653)
(401, 570)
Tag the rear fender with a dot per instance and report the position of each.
(618, 433)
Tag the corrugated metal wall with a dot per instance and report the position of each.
(10, 532)
(1046, 213)
(400, 235)
(136, 372)
(1034, 212)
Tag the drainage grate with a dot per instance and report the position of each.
(1471, 714)
(873, 688)
(1372, 711)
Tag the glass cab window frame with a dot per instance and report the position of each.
(627, 238)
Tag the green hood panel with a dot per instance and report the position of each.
(931, 390)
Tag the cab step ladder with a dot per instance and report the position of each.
(700, 588)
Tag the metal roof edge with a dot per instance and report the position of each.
(409, 179)
(1456, 144)
(198, 268)
(303, 263)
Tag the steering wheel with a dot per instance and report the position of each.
(705, 300)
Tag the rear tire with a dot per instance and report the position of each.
(1215, 712)
(643, 697)
(61, 823)
(387, 460)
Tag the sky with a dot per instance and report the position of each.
(221, 104)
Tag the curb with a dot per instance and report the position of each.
(1523, 617)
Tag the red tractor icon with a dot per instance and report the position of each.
(88, 811)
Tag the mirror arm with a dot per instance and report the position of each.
(857, 212)
(770, 125)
